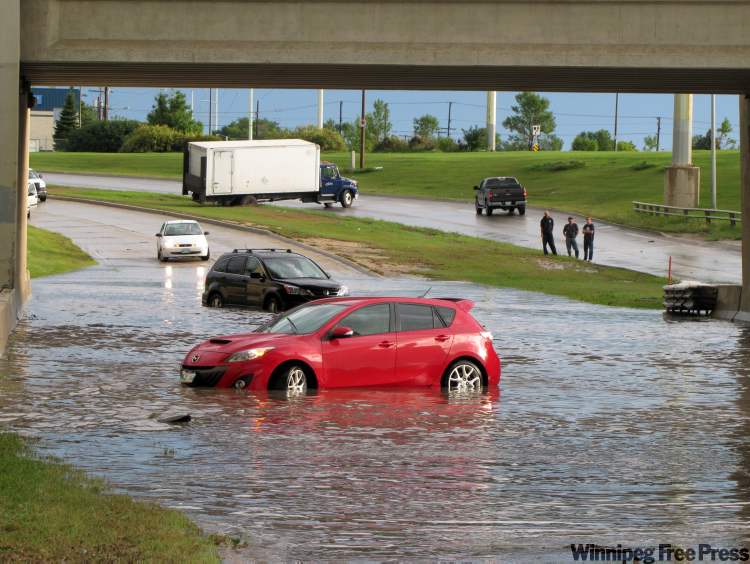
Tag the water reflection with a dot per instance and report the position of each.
(613, 426)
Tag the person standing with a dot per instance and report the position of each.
(547, 226)
(570, 231)
(588, 240)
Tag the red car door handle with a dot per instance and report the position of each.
(386, 344)
(442, 338)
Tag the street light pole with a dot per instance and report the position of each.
(617, 103)
(250, 117)
(713, 152)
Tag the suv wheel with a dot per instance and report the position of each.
(522, 210)
(346, 199)
(511, 210)
(489, 210)
(215, 300)
(272, 305)
(476, 206)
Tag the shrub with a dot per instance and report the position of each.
(328, 139)
(558, 166)
(447, 145)
(150, 139)
(417, 143)
(101, 136)
(392, 144)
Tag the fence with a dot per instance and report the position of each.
(708, 215)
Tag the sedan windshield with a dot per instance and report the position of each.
(304, 320)
(293, 267)
(176, 229)
(33, 174)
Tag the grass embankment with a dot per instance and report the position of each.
(51, 253)
(392, 247)
(600, 184)
(50, 512)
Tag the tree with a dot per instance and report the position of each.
(649, 143)
(101, 136)
(88, 114)
(585, 141)
(380, 120)
(626, 146)
(723, 140)
(173, 112)
(530, 109)
(67, 123)
(550, 143)
(426, 126)
(263, 129)
(475, 138)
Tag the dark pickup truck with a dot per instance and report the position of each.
(500, 192)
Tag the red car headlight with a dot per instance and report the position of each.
(249, 354)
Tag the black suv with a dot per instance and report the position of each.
(273, 279)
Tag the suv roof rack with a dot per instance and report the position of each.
(251, 251)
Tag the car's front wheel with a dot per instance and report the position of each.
(463, 375)
(347, 199)
(207, 255)
(215, 300)
(476, 206)
(293, 380)
(272, 304)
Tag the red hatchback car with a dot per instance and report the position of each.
(351, 342)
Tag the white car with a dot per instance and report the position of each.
(32, 200)
(181, 238)
(41, 185)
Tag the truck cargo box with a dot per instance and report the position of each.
(263, 170)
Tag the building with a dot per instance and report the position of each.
(41, 130)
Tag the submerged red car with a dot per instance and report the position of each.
(352, 342)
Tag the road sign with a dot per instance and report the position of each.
(536, 130)
(535, 147)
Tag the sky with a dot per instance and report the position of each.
(574, 112)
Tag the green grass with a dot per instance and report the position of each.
(431, 253)
(51, 253)
(50, 512)
(599, 184)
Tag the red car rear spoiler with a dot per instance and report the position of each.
(461, 303)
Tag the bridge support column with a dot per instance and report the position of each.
(682, 182)
(744, 313)
(11, 299)
(491, 119)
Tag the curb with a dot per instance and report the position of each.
(229, 224)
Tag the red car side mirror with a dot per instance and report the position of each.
(342, 332)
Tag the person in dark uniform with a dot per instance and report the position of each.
(547, 226)
(570, 231)
(588, 240)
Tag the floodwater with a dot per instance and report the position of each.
(610, 426)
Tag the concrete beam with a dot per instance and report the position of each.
(744, 313)
(575, 45)
(9, 88)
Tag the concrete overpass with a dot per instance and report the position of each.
(698, 46)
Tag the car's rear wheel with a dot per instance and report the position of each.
(489, 211)
(522, 210)
(511, 210)
(272, 304)
(347, 199)
(463, 375)
(215, 300)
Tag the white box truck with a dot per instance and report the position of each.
(242, 172)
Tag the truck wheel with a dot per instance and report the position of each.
(476, 206)
(489, 211)
(522, 210)
(346, 199)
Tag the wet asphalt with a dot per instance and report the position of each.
(692, 259)
(610, 425)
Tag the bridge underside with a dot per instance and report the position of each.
(695, 46)
(393, 77)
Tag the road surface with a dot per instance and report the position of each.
(692, 259)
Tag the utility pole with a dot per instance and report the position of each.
(658, 133)
(80, 106)
(257, 117)
(210, 109)
(450, 107)
(341, 114)
(250, 117)
(320, 108)
(106, 103)
(362, 123)
(714, 205)
(216, 116)
(617, 104)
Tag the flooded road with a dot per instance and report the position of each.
(610, 425)
(644, 251)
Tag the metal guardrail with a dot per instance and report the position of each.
(733, 217)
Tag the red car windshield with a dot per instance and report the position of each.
(304, 320)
